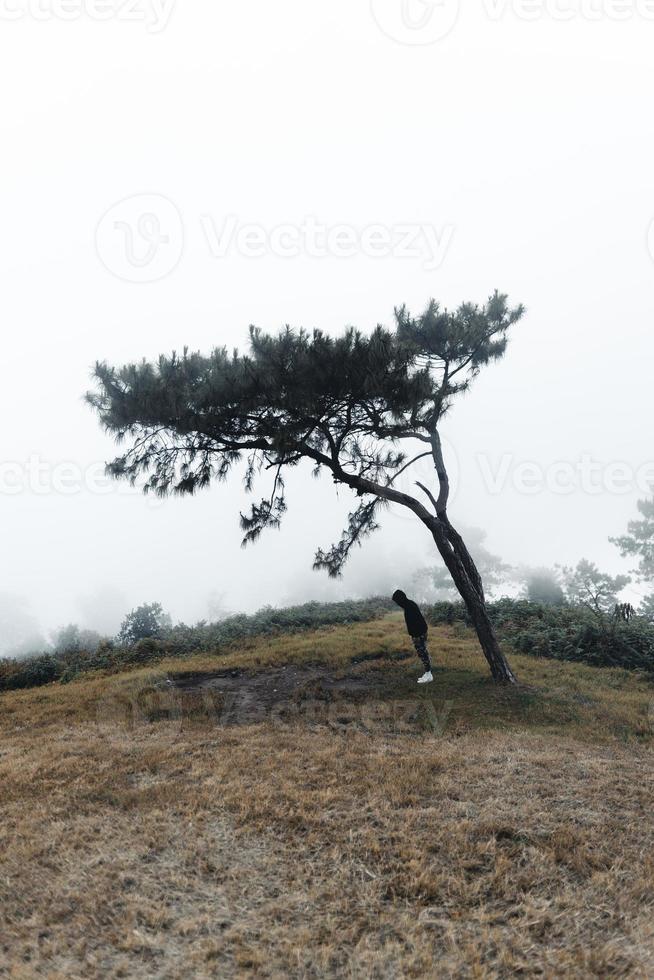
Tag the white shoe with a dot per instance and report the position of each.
(426, 678)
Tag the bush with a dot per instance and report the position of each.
(149, 648)
(601, 644)
(569, 632)
(15, 675)
(181, 640)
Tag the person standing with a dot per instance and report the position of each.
(416, 625)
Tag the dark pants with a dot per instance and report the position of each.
(420, 643)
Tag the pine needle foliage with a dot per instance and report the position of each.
(348, 405)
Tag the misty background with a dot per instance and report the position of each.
(524, 144)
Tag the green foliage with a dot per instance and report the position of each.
(562, 633)
(587, 586)
(145, 622)
(342, 404)
(646, 608)
(181, 640)
(18, 674)
(465, 339)
(312, 615)
(570, 632)
(638, 542)
(628, 645)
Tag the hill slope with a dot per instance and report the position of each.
(219, 817)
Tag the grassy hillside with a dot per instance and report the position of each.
(298, 807)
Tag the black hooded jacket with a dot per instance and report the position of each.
(416, 623)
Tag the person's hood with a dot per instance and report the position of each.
(399, 597)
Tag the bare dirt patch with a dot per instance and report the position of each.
(269, 687)
(314, 694)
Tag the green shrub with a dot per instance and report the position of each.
(569, 632)
(149, 648)
(35, 672)
(181, 640)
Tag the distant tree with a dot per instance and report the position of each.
(436, 582)
(144, 622)
(67, 639)
(542, 585)
(623, 612)
(587, 586)
(638, 542)
(646, 608)
(20, 634)
(217, 607)
(90, 640)
(347, 405)
(103, 608)
(72, 639)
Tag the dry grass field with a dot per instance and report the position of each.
(225, 817)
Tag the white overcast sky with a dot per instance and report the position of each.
(515, 141)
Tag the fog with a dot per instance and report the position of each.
(174, 174)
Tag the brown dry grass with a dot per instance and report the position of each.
(517, 842)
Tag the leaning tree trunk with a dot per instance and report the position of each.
(478, 613)
(453, 551)
(468, 582)
(463, 570)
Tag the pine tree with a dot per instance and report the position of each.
(348, 405)
(587, 586)
(638, 543)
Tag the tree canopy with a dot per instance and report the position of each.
(144, 622)
(587, 586)
(638, 542)
(344, 403)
